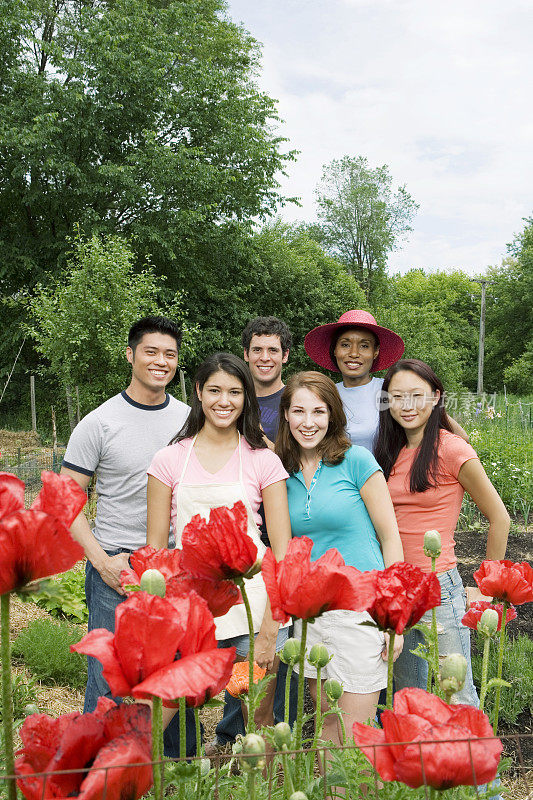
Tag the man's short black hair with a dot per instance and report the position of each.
(267, 326)
(153, 325)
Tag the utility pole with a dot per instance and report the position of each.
(481, 352)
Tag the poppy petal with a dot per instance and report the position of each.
(100, 643)
(11, 494)
(60, 497)
(121, 771)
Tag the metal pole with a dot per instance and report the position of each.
(32, 401)
(481, 351)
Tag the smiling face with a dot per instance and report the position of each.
(308, 418)
(154, 362)
(355, 351)
(411, 402)
(265, 359)
(222, 399)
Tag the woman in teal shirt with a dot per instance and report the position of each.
(338, 497)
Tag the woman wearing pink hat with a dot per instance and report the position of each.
(356, 346)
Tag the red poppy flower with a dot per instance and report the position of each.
(506, 580)
(139, 659)
(11, 494)
(220, 596)
(476, 609)
(219, 548)
(36, 543)
(426, 741)
(240, 678)
(305, 589)
(100, 746)
(400, 595)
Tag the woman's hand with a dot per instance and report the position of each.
(265, 648)
(398, 647)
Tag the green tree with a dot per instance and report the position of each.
(509, 339)
(362, 219)
(80, 324)
(455, 298)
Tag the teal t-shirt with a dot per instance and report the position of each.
(332, 512)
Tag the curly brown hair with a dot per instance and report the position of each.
(335, 443)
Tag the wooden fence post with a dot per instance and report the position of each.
(32, 402)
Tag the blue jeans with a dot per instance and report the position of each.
(102, 602)
(232, 722)
(454, 637)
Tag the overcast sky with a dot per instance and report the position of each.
(439, 91)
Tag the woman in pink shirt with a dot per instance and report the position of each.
(218, 458)
(428, 469)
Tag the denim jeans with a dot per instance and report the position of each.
(102, 602)
(453, 637)
(232, 722)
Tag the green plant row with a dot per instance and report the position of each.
(44, 646)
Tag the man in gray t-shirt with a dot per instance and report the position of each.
(117, 442)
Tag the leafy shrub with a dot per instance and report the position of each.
(24, 692)
(45, 648)
(64, 596)
(517, 670)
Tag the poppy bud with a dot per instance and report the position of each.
(291, 651)
(432, 544)
(205, 766)
(298, 796)
(333, 690)
(253, 746)
(453, 673)
(31, 708)
(153, 582)
(282, 735)
(488, 623)
(236, 747)
(318, 656)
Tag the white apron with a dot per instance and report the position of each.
(200, 499)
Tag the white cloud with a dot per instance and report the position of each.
(439, 91)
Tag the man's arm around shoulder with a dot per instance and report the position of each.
(109, 567)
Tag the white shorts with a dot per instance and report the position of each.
(357, 661)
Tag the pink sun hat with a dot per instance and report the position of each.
(318, 341)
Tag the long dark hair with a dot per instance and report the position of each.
(248, 423)
(335, 443)
(392, 437)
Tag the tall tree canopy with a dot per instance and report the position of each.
(362, 218)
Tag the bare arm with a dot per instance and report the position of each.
(109, 567)
(377, 500)
(474, 480)
(158, 514)
(458, 430)
(279, 532)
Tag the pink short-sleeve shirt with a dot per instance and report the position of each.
(260, 469)
(437, 508)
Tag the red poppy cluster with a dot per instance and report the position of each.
(425, 741)
(88, 756)
(139, 659)
(220, 596)
(36, 543)
(219, 548)
(476, 609)
(506, 580)
(299, 587)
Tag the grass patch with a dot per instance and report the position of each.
(45, 649)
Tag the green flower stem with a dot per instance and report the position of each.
(300, 710)
(390, 666)
(500, 667)
(433, 665)
(290, 668)
(157, 745)
(341, 719)
(288, 785)
(251, 784)
(7, 695)
(198, 732)
(251, 637)
(484, 672)
(183, 730)
(318, 713)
